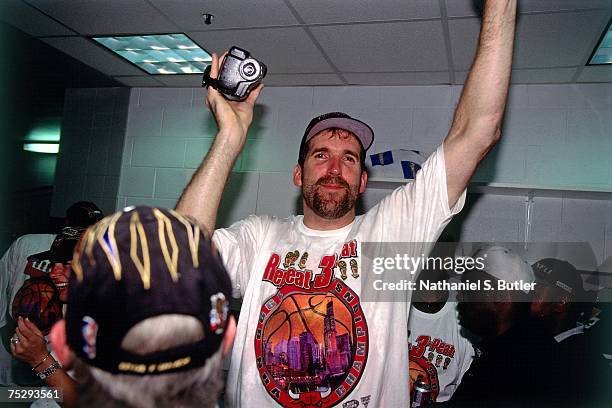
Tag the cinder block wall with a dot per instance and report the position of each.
(554, 135)
(89, 160)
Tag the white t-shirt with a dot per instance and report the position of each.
(12, 265)
(438, 352)
(304, 337)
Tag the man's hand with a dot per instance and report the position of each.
(233, 117)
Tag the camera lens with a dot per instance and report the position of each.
(249, 69)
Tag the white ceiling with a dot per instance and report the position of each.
(328, 42)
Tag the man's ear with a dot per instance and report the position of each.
(230, 333)
(364, 181)
(59, 344)
(297, 175)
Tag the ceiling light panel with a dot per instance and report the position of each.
(603, 52)
(163, 54)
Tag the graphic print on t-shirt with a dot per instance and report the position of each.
(312, 338)
(428, 356)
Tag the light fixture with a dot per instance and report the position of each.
(45, 130)
(602, 54)
(44, 136)
(165, 54)
(41, 147)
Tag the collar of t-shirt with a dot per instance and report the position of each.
(318, 233)
(433, 316)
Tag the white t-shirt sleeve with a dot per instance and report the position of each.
(239, 248)
(5, 276)
(11, 276)
(418, 211)
(468, 352)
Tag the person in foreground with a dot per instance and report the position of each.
(305, 336)
(147, 319)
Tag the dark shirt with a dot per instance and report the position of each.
(586, 376)
(517, 368)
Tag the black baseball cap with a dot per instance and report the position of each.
(560, 274)
(137, 264)
(361, 130)
(83, 214)
(62, 247)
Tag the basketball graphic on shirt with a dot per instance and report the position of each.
(311, 346)
(416, 371)
(427, 372)
(38, 300)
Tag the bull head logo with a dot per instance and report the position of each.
(309, 399)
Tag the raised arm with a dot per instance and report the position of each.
(202, 196)
(478, 118)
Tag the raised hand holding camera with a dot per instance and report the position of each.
(238, 75)
(233, 117)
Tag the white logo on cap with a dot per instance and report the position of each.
(89, 331)
(219, 308)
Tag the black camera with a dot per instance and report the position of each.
(238, 75)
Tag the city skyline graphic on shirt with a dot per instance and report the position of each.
(309, 343)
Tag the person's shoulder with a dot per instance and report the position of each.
(266, 219)
(531, 336)
(27, 241)
(283, 225)
(435, 158)
(258, 224)
(35, 238)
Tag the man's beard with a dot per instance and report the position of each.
(326, 205)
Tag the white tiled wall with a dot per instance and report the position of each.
(91, 148)
(557, 135)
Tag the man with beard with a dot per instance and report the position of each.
(337, 348)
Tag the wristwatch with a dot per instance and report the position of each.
(49, 370)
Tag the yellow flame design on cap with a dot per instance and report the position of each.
(137, 235)
(165, 228)
(104, 234)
